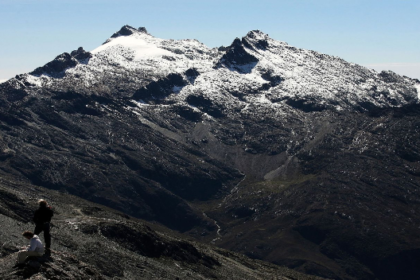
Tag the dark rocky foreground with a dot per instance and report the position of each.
(94, 242)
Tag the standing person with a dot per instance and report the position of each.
(35, 248)
(42, 219)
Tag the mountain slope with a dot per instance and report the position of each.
(350, 194)
(280, 153)
(90, 241)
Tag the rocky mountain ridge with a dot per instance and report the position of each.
(283, 154)
(273, 71)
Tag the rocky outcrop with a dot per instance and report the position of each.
(157, 91)
(236, 57)
(81, 55)
(56, 67)
(59, 266)
(126, 30)
(61, 63)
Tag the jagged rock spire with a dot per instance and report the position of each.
(127, 30)
(143, 30)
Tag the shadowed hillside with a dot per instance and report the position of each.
(90, 241)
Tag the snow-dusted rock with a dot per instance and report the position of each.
(256, 68)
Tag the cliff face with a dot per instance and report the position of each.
(283, 154)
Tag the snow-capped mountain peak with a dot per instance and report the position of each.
(255, 67)
(141, 44)
(257, 34)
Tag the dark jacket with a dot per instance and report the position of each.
(43, 215)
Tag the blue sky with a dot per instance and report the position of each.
(381, 34)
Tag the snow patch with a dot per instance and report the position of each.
(263, 99)
(417, 87)
(141, 47)
(140, 103)
(34, 80)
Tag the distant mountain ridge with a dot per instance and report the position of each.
(284, 154)
(315, 80)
